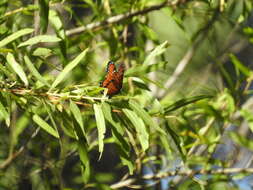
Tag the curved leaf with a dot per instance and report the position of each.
(15, 35)
(101, 127)
(34, 71)
(17, 68)
(44, 125)
(39, 39)
(139, 125)
(68, 68)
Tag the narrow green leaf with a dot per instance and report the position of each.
(108, 116)
(83, 154)
(39, 39)
(227, 77)
(55, 20)
(248, 115)
(4, 114)
(101, 127)
(43, 11)
(143, 69)
(129, 163)
(21, 124)
(241, 140)
(139, 125)
(157, 51)
(145, 116)
(117, 130)
(185, 101)
(175, 139)
(246, 71)
(68, 68)
(44, 125)
(17, 68)
(77, 114)
(148, 80)
(15, 35)
(149, 32)
(34, 71)
(44, 52)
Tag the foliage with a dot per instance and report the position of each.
(183, 110)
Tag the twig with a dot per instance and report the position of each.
(14, 155)
(55, 97)
(124, 183)
(130, 181)
(188, 55)
(119, 18)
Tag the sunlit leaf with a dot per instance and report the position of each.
(44, 125)
(139, 125)
(108, 116)
(4, 113)
(117, 130)
(145, 116)
(42, 52)
(57, 23)
(248, 115)
(39, 39)
(241, 140)
(15, 35)
(34, 71)
(100, 126)
(68, 68)
(17, 68)
(157, 51)
(77, 114)
(143, 69)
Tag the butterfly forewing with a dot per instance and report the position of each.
(113, 79)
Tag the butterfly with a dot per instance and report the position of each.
(113, 79)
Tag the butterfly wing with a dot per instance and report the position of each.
(120, 75)
(111, 70)
(113, 79)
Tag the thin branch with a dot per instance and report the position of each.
(201, 35)
(51, 96)
(119, 18)
(14, 155)
(130, 181)
(55, 97)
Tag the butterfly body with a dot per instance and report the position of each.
(113, 79)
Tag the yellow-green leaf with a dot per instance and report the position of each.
(44, 125)
(68, 68)
(4, 114)
(34, 71)
(100, 126)
(15, 35)
(139, 125)
(39, 39)
(145, 116)
(77, 114)
(17, 68)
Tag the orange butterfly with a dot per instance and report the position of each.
(113, 79)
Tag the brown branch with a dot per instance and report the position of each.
(14, 155)
(188, 56)
(119, 18)
(11, 158)
(55, 98)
